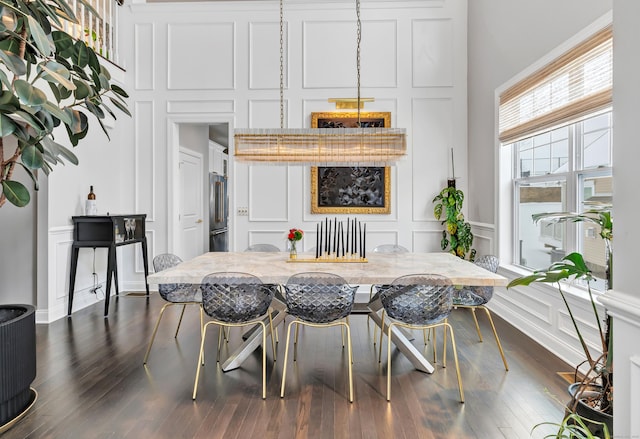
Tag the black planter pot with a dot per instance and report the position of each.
(588, 413)
(17, 360)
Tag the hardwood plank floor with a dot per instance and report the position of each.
(92, 384)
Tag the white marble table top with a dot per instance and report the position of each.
(273, 267)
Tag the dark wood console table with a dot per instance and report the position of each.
(107, 231)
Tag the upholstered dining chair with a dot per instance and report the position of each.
(235, 299)
(174, 294)
(318, 299)
(475, 297)
(262, 248)
(418, 301)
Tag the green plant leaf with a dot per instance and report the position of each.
(57, 112)
(119, 91)
(29, 94)
(80, 55)
(7, 126)
(82, 89)
(39, 36)
(13, 62)
(4, 79)
(32, 157)
(16, 193)
(64, 44)
(120, 106)
(56, 72)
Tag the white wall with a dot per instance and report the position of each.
(210, 61)
(505, 37)
(624, 301)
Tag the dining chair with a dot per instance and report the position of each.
(262, 248)
(174, 294)
(418, 301)
(234, 299)
(318, 300)
(476, 297)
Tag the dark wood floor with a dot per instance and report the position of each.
(92, 384)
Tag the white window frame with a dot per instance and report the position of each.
(505, 206)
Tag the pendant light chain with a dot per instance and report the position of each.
(358, 54)
(281, 66)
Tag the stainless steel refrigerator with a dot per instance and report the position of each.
(218, 213)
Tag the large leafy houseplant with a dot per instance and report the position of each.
(35, 54)
(457, 236)
(595, 388)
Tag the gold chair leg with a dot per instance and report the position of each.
(375, 328)
(200, 360)
(444, 345)
(435, 345)
(350, 361)
(264, 358)
(273, 342)
(180, 320)
(495, 333)
(455, 358)
(475, 319)
(381, 332)
(220, 337)
(388, 360)
(286, 355)
(155, 329)
(201, 327)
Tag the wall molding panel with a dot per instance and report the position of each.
(144, 47)
(144, 158)
(432, 52)
(264, 55)
(188, 72)
(379, 61)
(200, 106)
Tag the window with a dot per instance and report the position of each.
(556, 126)
(565, 169)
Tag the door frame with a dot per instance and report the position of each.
(173, 159)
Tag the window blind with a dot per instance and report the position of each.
(577, 83)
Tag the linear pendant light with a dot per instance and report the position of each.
(320, 146)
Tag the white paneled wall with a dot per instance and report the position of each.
(221, 59)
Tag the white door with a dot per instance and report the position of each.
(191, 218)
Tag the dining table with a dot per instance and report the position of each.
(375, 269)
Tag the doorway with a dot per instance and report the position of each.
(194, 133)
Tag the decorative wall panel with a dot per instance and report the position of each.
(330, 54)
(203, 72)
(268, 193)
(432, 53)
(431, 143)
(266, 113)
(144, 159)
(426, 241)
(144, 47)
(264, 55)
(200, 106)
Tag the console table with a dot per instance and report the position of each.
(107, 231)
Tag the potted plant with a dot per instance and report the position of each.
(35, 56)
(592, 394)
(457, 236)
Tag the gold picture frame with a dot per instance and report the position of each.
(348, 189)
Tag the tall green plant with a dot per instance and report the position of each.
(457, 236)
(34, 54)
(571, 267)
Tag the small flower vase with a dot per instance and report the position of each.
(293, 251)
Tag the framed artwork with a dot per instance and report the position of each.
(351, 189)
